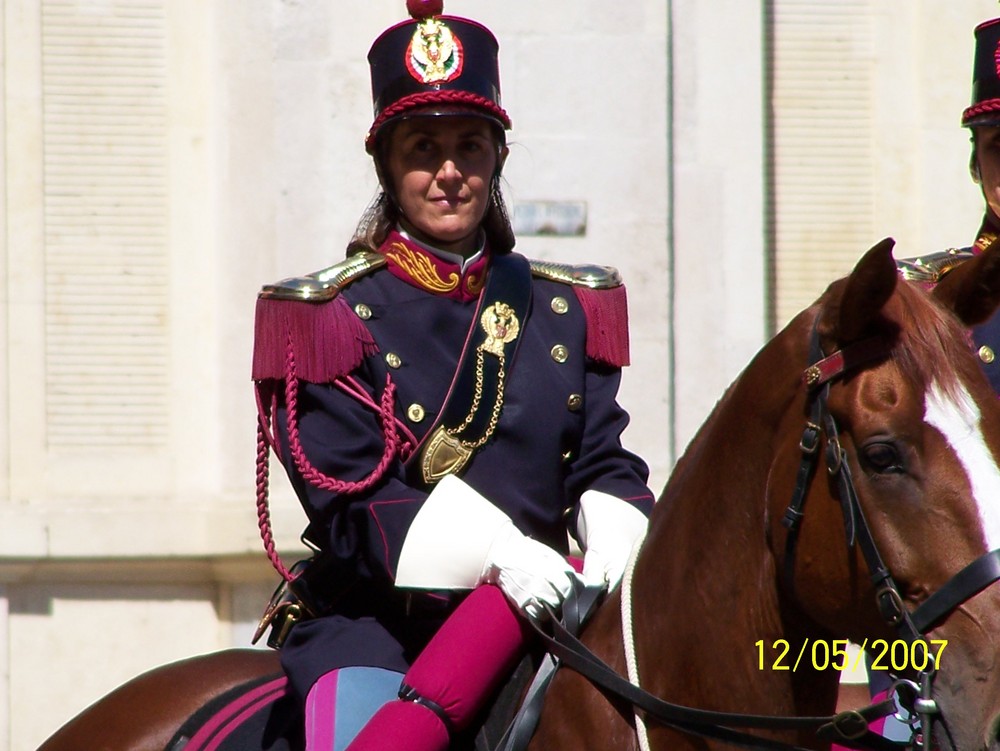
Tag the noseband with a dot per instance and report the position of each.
(909, 626)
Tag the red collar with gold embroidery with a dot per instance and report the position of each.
(421, 268)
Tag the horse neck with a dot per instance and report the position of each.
(706, 585)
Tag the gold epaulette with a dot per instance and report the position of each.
(931, 268)
(581, 275)
(323, 285)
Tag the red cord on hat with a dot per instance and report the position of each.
(429, 98)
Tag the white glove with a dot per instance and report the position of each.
(459, 540)
(607, 528)
(530, 573)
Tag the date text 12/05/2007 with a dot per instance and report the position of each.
(822, 654)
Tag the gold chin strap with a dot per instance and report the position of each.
(446, 451)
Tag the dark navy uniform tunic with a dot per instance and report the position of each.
(985, 338)
(558, 435)
(929, 269)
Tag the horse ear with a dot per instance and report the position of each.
(866, 291)
(972, 289)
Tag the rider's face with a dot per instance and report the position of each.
(440, 168)
(988, 162)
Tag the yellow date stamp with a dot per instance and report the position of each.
(897, 655)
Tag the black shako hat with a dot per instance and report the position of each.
(985, 107)
(434, 65)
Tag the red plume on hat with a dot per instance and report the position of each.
(434, 64)
(424, 8)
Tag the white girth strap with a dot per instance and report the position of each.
(629, 641)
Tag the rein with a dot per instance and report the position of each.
(849, 728)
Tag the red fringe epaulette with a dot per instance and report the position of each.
(304, 322)
(607, 324)
(326, 340)
(602, 297)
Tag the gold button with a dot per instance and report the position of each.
(986, 354)
(363, 311)
(574, 402)
(567, 455)
(415, 412)
(559, 305)
(392, 360)
(560, 353)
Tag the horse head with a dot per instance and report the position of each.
(846, 487)
(894, 548)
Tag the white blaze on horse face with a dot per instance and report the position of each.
(958, 419)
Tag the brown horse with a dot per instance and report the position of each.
(720, 592)
(736, 609)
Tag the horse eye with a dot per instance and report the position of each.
(883, 458)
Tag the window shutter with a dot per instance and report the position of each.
(822, 60)
(105, 224)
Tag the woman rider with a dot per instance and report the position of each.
(446, 411)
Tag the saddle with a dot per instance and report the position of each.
(260, 714)
(263, 715)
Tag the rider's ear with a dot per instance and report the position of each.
(972, 289)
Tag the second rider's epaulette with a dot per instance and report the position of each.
(931, 268)
(324, 285)
(304, 330)
(601, 294)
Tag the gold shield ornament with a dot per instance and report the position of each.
(447, 452)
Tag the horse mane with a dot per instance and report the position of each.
(931, 345)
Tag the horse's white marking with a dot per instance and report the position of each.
(958, 420)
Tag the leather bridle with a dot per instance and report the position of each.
(909, 626)
(850, 728)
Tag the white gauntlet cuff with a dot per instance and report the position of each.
(449, 540)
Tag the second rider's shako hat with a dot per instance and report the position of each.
(434, 64)
(985, 107)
